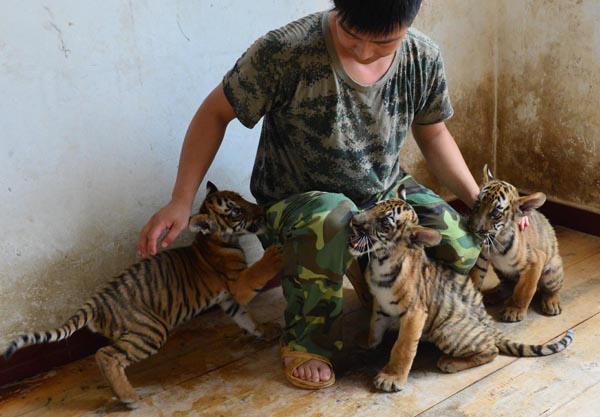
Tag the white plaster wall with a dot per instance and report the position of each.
(95, 98)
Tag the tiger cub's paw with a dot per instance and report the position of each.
(551, 305)
(448, 364)
(269, 331)
(388, 382)
(273, 258)
(513, 314)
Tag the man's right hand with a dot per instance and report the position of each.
(173, 217)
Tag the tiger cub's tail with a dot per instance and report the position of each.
(79, 320)
(509, 347)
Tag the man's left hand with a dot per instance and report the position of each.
(523, 223)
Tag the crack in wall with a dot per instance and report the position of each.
(62, 46)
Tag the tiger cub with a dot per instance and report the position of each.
(431, 301)
(139, 307)
(525, 261)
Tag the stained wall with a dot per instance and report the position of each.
(549, 98)
(524, 78)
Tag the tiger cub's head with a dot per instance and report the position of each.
(388, 225)
(226, 215)
(499, 206)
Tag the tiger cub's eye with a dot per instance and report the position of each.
(384, 223)
(496, 214)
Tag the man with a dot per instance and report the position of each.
(337, 92)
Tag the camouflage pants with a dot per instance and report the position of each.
(314, 230)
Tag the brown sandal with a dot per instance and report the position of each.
(299, 358)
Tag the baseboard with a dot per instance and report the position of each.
(32, 360)
(572, 217)
(40, 358)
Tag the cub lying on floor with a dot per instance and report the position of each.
(523, 260)
(139, 307)
(432, 301)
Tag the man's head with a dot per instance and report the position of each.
(376, 17)
(370, 30)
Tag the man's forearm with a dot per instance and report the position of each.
(197, 153)
(447, 164)
(202, 141)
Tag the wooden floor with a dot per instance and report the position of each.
(209, 368)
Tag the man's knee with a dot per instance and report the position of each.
(317, 212)
(337, 210)
(330, 231)
(314, 228)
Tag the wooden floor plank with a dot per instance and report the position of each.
(200, 346)
(584, 404)
(231, 391)
(534, 386)
(576, 246)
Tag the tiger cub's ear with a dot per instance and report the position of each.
(531, 202)
(487, 175)
(424, 236)
(401, 192)
(211, 188)
(202, 223)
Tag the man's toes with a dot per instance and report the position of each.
(308, 373)
(325, 373)
(313, 370)
(320, 371)
(301, 372)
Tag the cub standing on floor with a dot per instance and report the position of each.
(338, 92)
(138, 308)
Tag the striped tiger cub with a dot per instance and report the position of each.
(431, 301)
(525, 261)
(139, 307)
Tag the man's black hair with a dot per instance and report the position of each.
(376, 17)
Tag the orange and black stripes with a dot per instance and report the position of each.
(138, 308)
(528, 258)
(430, 299)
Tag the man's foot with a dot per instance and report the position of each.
(307, 370)
(313, 370)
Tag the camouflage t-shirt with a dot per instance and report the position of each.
(322, 131)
